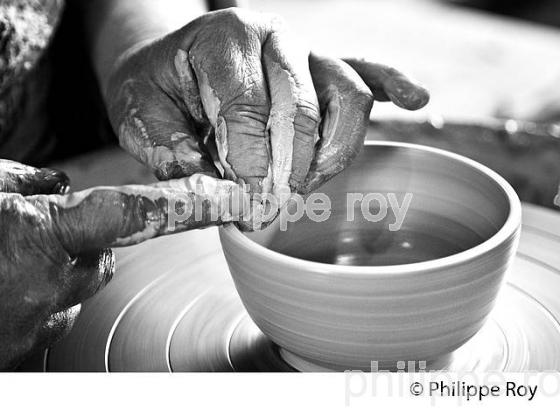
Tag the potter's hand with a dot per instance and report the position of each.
(284, 120)
(53, 249)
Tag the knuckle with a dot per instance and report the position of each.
(247, 119)
(233, 13)
(234, 16)
(307, 119)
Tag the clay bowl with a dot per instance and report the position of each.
(341, 294)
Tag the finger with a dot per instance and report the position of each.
(91, 272)
(26, 180)
(44, 333)
(345, 105)
(158, 133)
(227, 67)
(294, 114)
(57, 326)
(105, 217)
(388, 84)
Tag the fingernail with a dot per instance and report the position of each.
(58, 179)
(61, 188)
(408, 95)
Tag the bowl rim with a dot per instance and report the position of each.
(507, 230)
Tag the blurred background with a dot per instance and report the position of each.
(479, 58)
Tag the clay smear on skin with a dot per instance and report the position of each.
(329, 144)
(282, 131)
(280, 126)
(216, 192)
(135, 139)
(133, 136)
(13, 173)
(212, 104)
(330, 147)
(189, 86)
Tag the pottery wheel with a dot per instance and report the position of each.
(172, 306)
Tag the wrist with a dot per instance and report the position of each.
(117, 28)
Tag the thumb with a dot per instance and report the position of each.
(26, 180)
(120, 216)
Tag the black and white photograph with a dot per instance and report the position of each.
(362, 193)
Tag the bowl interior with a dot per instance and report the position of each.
(416, 205)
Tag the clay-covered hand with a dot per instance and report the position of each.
(53, 247)
(234, 85)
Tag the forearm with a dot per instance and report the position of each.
(115, 26)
